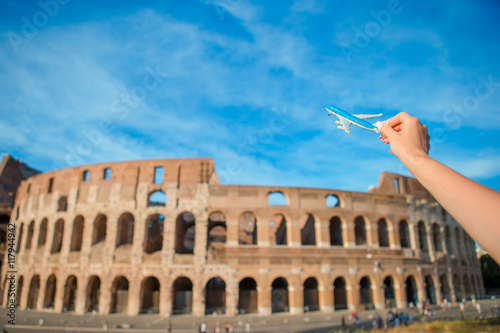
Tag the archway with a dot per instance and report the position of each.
(307, 230)
(311, 295)
(279, 295)
(360, 230)
(411, 290)
(119, 295)
(182, 292)
(33, 292)
(153, 238)
(69, 294)
(125, 230)
(77, 234)
(150, 296)
(389, 294)
(215, 296)
(50, 292)
(383, 234)
(185, 233)
(247, 296)
(99, 234)
(277, 230)
(336, 238)
(430, 290)
(340, 294)
(93, 293)
(404, 234)
(247, 229)
(365, 293)
(216, 229)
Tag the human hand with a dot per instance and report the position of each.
(406, 135)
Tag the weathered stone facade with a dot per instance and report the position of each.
(164, 236)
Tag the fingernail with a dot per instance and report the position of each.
(386, 141)
(378, 124)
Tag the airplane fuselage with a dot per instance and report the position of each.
(354, 120)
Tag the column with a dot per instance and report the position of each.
(200, 239)
(393, 231)
(105, 294)
(430, 242)
(81, 293)
(296, 296)
(264, 293)
(134, 292)
(59, 297)
(293, 233)
(263, 235)
(325, 290)
(232, 231)
(198, 299)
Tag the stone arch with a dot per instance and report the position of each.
(279, 295)
(247, 296)
(58, 237)
(311, 294)
(77, 234)
(185, 233)
(20, 284)
(445, 287)
(430, 290)
(150, 295)
(119, 295)
(69, 299)
(20, 238)
(50, 292)
(277, 198)
(332, 201)
(42, 233)
(365, 293)
(182, 296)
(92, 294)
(436, 237)
(33, 292)
(467, 287)
(247, 229)
(99, 234)
(404, 234)
(62, 204)
(459, 247)
(411, 290)
(216, 229)
(336, 238)
(449, 241)
(153, 235)
(389, 294)
(360, 230)
(125, 230)
(157, 199)
(383, 233)
(29, 236)
(340, 294)
(457, 286)
(278, 230)
(215, 296)
(422, 236)
(307, 225)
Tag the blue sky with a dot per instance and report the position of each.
(245, 82)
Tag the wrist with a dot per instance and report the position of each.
(415, 161)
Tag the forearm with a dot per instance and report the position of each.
(474, 206)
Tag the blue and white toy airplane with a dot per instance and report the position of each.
(346, 119)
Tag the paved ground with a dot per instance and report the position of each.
(29, 321)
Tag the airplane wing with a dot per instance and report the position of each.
(367, 116)
(344, 124)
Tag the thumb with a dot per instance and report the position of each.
(386, 129)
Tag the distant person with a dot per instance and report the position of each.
(478, 308)
(203, 327)
(169, 326)
(475, 206)
(355, 317)
(343, 326)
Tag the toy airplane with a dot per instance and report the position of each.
(346, 119)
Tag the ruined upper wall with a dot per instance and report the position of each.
(129, 174)
(12, 172)
(394, 184)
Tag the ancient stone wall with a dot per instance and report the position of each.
(164, 236)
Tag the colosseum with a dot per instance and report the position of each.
(166, 237)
